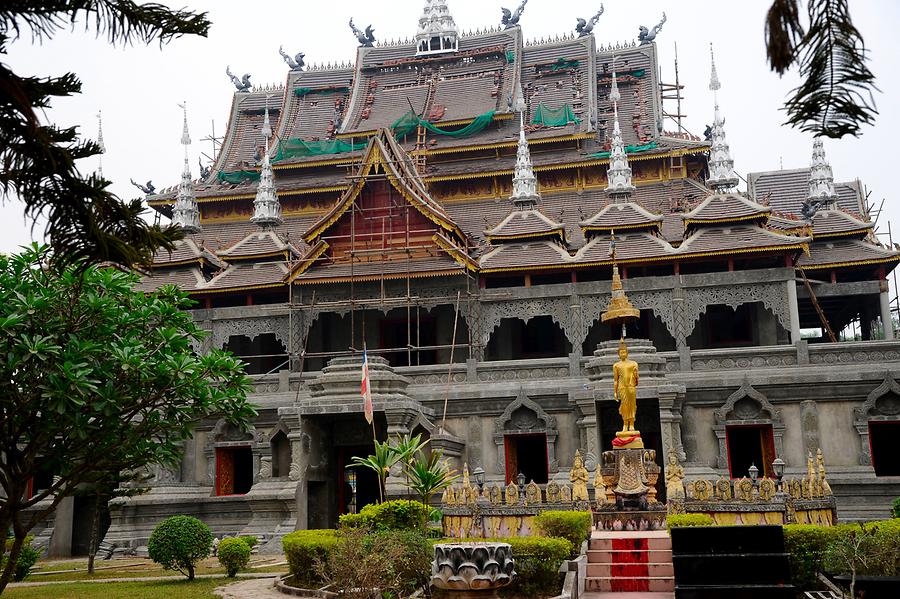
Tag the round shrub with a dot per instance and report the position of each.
(398, 514)
(679, 520)
(571, 525)
(251, 540)
(234, 555)
(179, 542)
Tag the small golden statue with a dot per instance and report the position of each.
(723, 488)
(496, 495)
(743, 489)
(599, 487)
(579, 477)
(674, 478)
(702, 490)
(512, 494)
(532, 494)
(767, 489)
(824, 487)
(565, 494)
(553, 492)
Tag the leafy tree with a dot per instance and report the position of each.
(95, 377)
(858, 551)
(84, 220)
(429, 475)
(179, 542)
(835, 97)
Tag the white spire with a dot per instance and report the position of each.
(186, 214)
(100, 142)
(821, 179)
(525, 193)
(618, 173)
(437, 33)
(721, 166)
(266, 207)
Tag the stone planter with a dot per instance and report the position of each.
(472, 569)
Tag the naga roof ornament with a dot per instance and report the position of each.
(511, 18)
(437, 33)
(186, 214)
(721, 166)
(618, 173)
(586, 27)
(266, 207)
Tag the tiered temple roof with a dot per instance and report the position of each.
(458, 182)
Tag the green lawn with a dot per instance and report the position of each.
(163, 589)
(130, 568)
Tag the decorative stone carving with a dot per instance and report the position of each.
(552, 492)
(265, 467)
(532, 494)
(882, 403)
(512, 494)
(772, 295)
(767, 489)
(743, 490)
(824, 487)
(496, 495)
(674, 479)
(579, 477)
(557, 308)
(723, 489)
(252, 328)
(523, 415)
(599, 488)
(565, 494)
(747, 406)
(472, 567)
(702, 490)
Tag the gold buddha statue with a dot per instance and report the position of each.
(625, 382)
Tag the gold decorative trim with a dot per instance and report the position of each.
(425, 274)
(841, 233)
(307, 261)
(555, 232)
(455, 252)
(713, 221)
(850, 263)
(240, 288)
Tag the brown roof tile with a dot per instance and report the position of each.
(846, 252)
(624, 215)
(739, 238)
(785, 190)
(525, 223)
(726, 207)
(835, 223)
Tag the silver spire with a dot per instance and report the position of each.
(619, 184)
(100, 142)
(721, 167)
(437, 33)
(821, 179)
(266, 207)
(186, 214)
(525, 193)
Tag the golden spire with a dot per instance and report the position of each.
(620, 309)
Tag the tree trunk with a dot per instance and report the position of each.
(853, 583)
(95, 533)
(190, 571)
(12, 558)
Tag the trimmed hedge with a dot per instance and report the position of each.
(302, 548)
(399, 514)
(681, 520)
(570, 525)
(234, 555)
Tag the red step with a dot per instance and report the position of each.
(639, 561)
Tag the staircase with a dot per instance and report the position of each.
(630, 562)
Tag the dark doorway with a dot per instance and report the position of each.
(357, 486)
(261, 355)
(750, 445)
(234, 470)
(884, 439)
(526, 453)
(647, 422)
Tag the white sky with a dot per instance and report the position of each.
(138, 88)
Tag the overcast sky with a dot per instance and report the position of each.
(138, 88)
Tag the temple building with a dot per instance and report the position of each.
(449, 203)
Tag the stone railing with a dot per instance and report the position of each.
(854, 352)
(744, 358)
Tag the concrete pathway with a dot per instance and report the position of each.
(268, 576)
(249, 589)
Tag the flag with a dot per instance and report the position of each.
(366, 389)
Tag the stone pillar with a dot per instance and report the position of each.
(793, 310)
(588, 430)
(61, 539)
(886, 319)
(297, 473)
(671, 398)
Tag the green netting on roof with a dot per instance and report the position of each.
(628, 150)
(298, 148)
(510, 56)
(408, 122)
(560, 64)
(554, 117)
(302, 91)
(235, 177)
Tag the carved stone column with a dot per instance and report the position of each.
(887, 320)
(793, 310)
(671, 399)
(809, 425)
(588, 431)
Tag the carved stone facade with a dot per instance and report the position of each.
(523, 415)
(747, 406)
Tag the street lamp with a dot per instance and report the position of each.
(521, 479)
(754, 473)
(479, 477)
(778, 467)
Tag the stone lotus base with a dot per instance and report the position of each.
(472, 569)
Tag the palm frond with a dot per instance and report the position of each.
(783, 33)
(835, 98)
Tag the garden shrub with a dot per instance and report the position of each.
(681, 520)
(234, 555)
(251, 540)
(399, 514)
(895, 508)
(537, 564)
(303, 549)
(574, 526)
(806, 544)
(356, 564)
(413, 560)
(179, 542)
(28, 557)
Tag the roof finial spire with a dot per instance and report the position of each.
(266, 207)
(525, 193)
(186, 214)
(721, 167)
(437, 33)
(821, 178)
(100, 143)
(619, 184)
